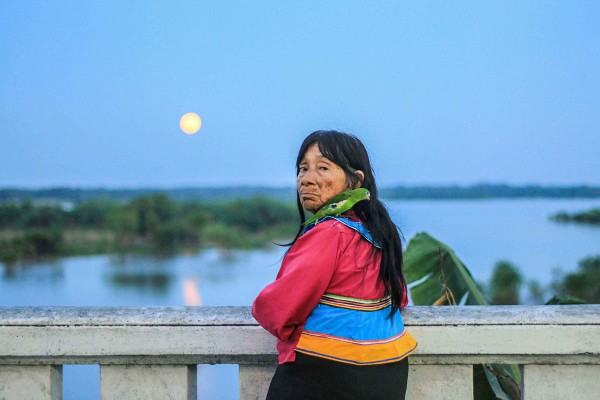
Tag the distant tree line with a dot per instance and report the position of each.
(78, 195)
(480, 191)
(153, 222)
(488, 191)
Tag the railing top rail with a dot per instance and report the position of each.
(241, 316)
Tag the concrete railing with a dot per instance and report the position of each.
(152, 353)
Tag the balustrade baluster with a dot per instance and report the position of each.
(255, 380)
(31, 382)
(440, 382)
(123, 382)
(559, 382)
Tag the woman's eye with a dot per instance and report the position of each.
(323, 168)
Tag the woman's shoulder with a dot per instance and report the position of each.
(348, 224)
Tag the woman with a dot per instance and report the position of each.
(335, 305)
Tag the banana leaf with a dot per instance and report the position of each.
(436, 276)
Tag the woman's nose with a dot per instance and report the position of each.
(308, 177)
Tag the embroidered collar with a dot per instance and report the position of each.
(354, 225)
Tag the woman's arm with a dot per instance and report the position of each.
(304, 276)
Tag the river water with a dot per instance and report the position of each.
(481, 232)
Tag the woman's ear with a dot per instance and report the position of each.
(362, 178)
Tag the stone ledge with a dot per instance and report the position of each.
(585, 314)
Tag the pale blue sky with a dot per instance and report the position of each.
(445, 92)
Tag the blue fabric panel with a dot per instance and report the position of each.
(353, 324)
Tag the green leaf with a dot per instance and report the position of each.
(439, 274)
(564, 300)
(494, 383)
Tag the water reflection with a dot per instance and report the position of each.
(191, 293)
(154, 282)
(145, 274)
(49, 270)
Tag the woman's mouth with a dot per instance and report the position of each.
(307, 195)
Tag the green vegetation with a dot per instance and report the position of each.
(583, 284)
(505, 284)
(585, 217)
(436, 276)
(579, 287)
(148, 223)
(440, 278)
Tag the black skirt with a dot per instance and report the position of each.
(312, 377)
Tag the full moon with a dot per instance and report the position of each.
(190, 123)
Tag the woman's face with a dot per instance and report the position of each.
(319, 179)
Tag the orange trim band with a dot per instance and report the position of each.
(354, 353)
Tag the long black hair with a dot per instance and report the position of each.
(350, 154)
